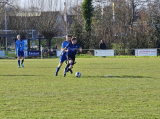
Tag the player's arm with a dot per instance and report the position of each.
(23, 46)
(63, 50)
(16, 49)
(80, 49)
(63, 46)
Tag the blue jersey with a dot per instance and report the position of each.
(64, 44)
(19, 45)
(72, 49)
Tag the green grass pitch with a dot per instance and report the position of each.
(127, 88)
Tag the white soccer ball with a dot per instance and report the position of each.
(78, 74)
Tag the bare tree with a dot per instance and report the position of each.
(37, 18)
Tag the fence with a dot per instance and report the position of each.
(49, 53)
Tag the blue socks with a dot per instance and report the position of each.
(67, 70)
(18, 62)
(67, 67)
(57, 69)
(22, 61)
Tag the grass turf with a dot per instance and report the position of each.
(108, 88)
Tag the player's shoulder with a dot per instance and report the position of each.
(64, 42)
(17, 41)
(77, 45)
(70, 44)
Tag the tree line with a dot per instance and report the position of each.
(136, 23)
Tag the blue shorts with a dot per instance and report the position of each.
(63, 58)
(20, 53)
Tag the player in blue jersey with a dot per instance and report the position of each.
(19, 50)
(71, 50)
(63, 57)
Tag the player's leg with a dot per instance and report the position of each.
(58, 68)
(62, 59)
(68, 64)
(18, 62)
(18, 54)
(66, 59)
(22, 54)
(72, 63)
(68, 67)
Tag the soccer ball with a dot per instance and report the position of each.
(78, 74)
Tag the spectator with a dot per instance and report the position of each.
(102, 45)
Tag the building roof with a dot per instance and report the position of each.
(28, 14)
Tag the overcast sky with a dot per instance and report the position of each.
(47, 5)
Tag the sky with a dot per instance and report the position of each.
(48, 5)
(55, 5)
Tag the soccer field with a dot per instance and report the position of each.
(109, 88)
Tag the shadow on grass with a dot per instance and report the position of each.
(104, 68)
(20, 75)
(124, 76)
(47, 67)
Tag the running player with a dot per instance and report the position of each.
(63, 57)
(19, 50)
(71, 48)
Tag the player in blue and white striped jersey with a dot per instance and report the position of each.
(71, 50)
